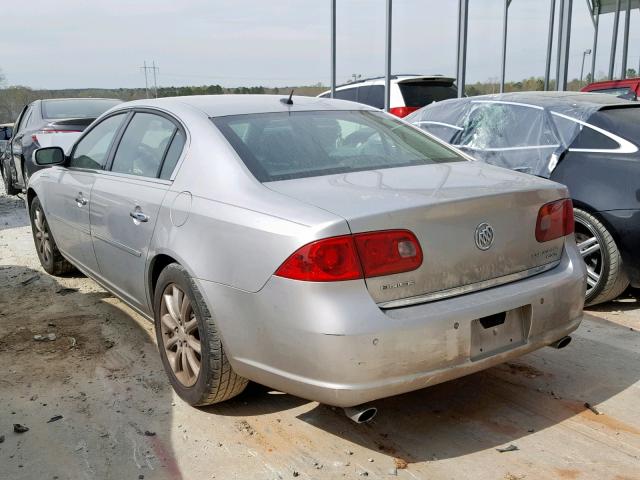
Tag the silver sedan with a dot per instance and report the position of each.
(320, 247)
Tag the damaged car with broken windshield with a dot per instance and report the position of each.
(587, 141)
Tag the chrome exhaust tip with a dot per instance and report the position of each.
(563, 342)
(361, 413)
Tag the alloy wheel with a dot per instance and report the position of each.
(590, 249)
(180, 335)
(42, 236)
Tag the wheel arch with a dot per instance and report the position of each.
(31, 194)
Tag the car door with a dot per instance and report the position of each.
(67, 194)
(16, 143)
(126, 201)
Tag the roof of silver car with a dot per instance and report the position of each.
(222, 105)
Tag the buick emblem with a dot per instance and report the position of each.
(484, 236)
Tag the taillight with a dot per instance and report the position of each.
(555, 220)
(388, 252)
(350, 257)
(402, 111)
(327, 260)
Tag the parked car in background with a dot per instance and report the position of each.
(629, 88)
(588, 142)
(408, 92)
(320, 247)
(6, 131)
(46, 123)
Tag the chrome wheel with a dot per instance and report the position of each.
(180, 335)
(591, 252)
(42, 236)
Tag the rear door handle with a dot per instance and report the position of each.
(138, 216)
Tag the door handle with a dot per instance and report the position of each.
(138, 216)
(80, 200)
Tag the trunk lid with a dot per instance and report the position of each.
(443, 205)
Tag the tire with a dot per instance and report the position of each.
(9, 189)
(606, 277)
(50, 257)
(215, 381)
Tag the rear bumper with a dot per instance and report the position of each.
(626, 230)
(331, 343)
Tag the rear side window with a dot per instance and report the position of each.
(92, 150)
(372, 95)
(86, 108)
(419, 94)
(346, 94)
(173, 154)
(283, 146)
(143, 145)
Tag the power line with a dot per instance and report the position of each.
(155, 70)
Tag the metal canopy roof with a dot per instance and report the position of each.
(609, 6)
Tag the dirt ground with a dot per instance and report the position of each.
(121, 420)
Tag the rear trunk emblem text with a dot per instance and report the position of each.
(484, 236)
(397, 285)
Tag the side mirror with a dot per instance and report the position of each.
(49, 156)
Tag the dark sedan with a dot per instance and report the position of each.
(587, 141)
(45, 123)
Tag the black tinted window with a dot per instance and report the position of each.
(89, 108)
(143, 145)
(347, 94)
(173, 154)
(92, 150)
(419, 94)
(282, 146)
(372, 95)
(588, 138)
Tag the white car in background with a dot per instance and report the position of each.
(408, 92)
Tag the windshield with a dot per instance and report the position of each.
(283, 146)
(89, 108)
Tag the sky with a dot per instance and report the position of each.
(81, 44)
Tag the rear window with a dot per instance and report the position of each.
(419, 94)
(624, 122)
(283, 146)
(59, 109)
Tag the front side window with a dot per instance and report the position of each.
(93, 149)
(282, 146)
(143, 145)
(504, 126)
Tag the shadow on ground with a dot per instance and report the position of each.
(487, 410)
(102, 374)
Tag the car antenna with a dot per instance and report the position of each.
(288, 101)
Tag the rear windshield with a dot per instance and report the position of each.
(58, 109)
(419, 94)
(283, 146)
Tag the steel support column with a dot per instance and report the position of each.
(505, 23)
(595, 17)
(565, 42)
(387, 58)
(559, 46)
(333, 48)
(547, 67)
(625, 41)
(463, 17)
(614, 40)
